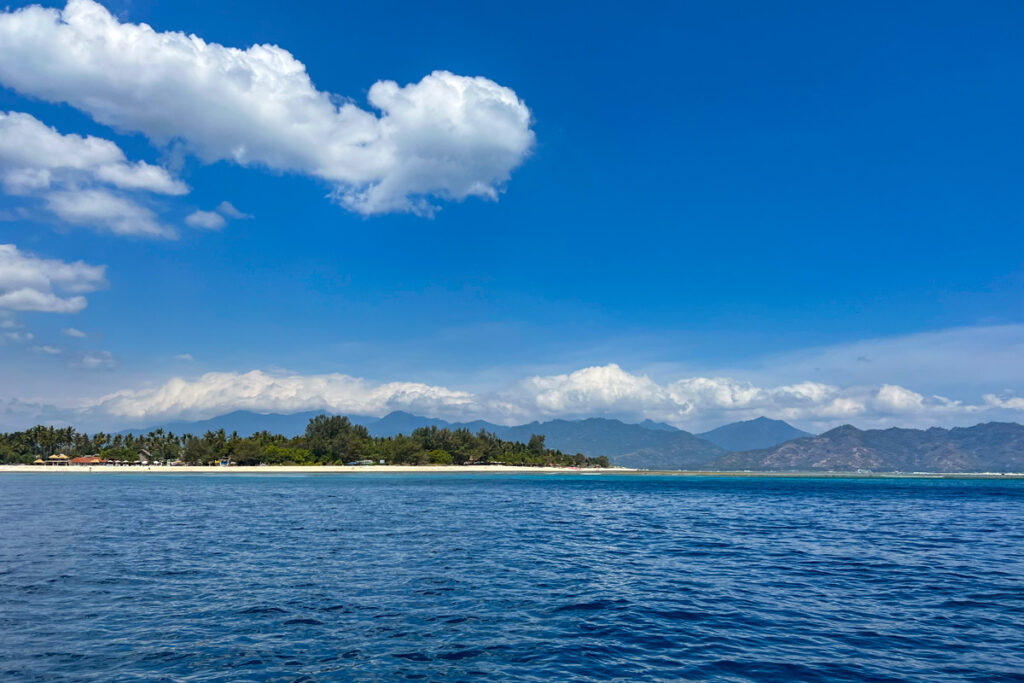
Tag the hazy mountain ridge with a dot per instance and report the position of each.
(648, 445)
(245, 422)
(761, 432)
(622, 443)
(988, 447)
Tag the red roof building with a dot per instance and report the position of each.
(89, 460)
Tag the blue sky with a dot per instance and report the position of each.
(729, 191)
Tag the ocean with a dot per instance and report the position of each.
(458, 577)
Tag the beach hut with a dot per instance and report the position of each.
(57, 459)
(38, 461)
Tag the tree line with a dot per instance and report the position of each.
(328, 440)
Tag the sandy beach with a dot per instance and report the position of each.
(484, 469)
(301, 469)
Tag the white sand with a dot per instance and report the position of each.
(292, 469)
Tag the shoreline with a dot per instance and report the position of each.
(483, 469)
(297, 469)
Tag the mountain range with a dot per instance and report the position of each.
(649, 445)
(990, 447)
(761, 444)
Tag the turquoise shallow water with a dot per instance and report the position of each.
(508, 577)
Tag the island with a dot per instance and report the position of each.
(328, 441)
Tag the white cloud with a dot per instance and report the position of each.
(51, 350)
(256, 390)
(228, 209)
(693, 403)
(26, 299)
(702, 402)
(17, 337)
(35, 156)
(896, 398)
(1008, 402)
(611, 390)
(595, 389)
(96, 360)
(30, 283)
(72, 332)
(185, 357)
(82, 180)
(116, 214)
(446, 136)
(216, 219)
(207, 220)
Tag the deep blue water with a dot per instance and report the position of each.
(505, 577)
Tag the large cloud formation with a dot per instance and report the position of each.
(215, 392)
(447, 136)
(692, 403)
(83, 180)
(30, 283)
(714, 400)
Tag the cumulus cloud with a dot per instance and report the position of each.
(30, 283)
(207, 220)
(72, 332)
(611, 390)
(1004, 402)
(228, 209)
(693, 403)
(35, 156)
(119, 215)
(82, 180)
(216, 219)
(258, 390)
(701, 402)
(445, 136)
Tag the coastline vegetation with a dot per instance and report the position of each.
(328, 440)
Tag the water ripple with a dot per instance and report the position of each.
(533, 578)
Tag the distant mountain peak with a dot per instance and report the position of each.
(657, 426)
(760, 432)
(846, 429)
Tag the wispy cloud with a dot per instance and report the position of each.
(17, 337)
(228, 209)
(47, 349)
(216, 219)
(96, 360)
